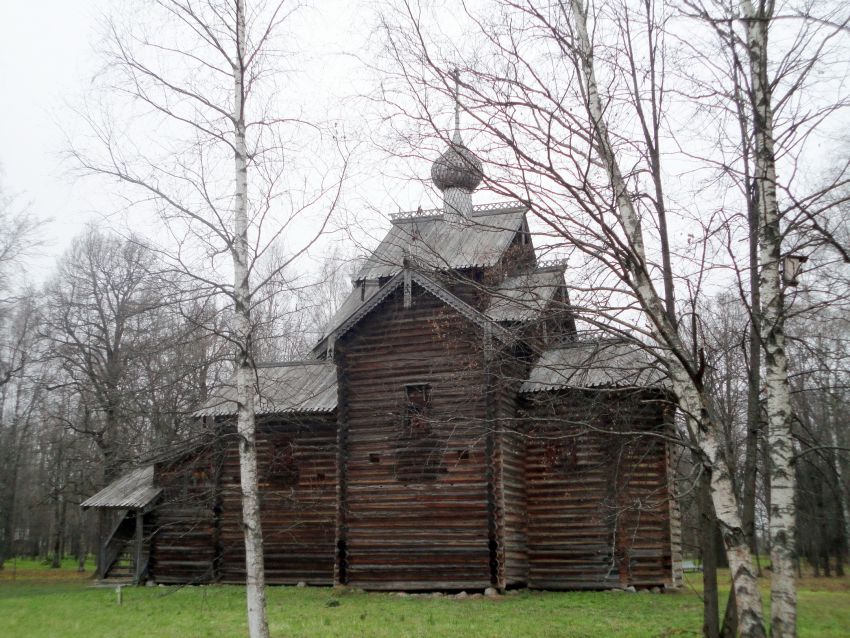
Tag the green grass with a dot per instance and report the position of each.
(40, 602)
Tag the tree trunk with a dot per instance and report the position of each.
(245, 365)
(58, 532)
(783, 594)
(832, 425)
(708, 549)
(751, 453)
(84, 544)
(729, 628)
(6, 544)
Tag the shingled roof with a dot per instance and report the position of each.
(594, 364)
(300, 386)
(435, 241)
(133, 490)
(523, 297)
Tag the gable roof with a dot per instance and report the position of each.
(299, 386)
(437, 242)
(524, 297)
(356, 298)
(428, 284)
(133, 490)
(594, 364)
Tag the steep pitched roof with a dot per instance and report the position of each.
(437, 242)
(524, 297)
(356, 298)
(428, 284)
(300, 386)
(133, 490)
(594, 364)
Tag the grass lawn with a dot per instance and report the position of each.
(39, 602)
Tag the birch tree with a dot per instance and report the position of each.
(193, 124)
(783, 592)
(778, 103)
(245, 369)
(683, 373)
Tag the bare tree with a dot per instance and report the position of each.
(19, 400)
(18, 235)
(94, 321)
(768, 85)
(225, 175)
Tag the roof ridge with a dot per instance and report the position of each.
(288, 364)
(477, 210)
(554, 264)
(477, 241)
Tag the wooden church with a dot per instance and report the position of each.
(451, 431)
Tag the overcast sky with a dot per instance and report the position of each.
(47, 59)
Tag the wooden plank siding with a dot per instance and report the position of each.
(598, 500)
(197, 528)
(510, 451)
(409, 534)
(296, 460)
(184, 525)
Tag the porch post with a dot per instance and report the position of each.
(139, 533)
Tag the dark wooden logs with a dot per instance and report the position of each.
(599, 506)
(400, 531)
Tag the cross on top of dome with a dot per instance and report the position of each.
(457, 167)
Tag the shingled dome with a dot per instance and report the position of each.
(457, 167)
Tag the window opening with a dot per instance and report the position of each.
(282, 468)
(419, 457)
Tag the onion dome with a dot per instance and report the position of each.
(457, 167)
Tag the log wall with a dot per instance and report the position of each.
(598, 500)
(296, 461)
(428, 477)
(510, 479)
(399, 532)
(184, 526)
(197, 529)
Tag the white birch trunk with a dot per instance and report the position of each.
(783, 591)
(255, 580)
(691, 400)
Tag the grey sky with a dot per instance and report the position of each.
(47, 59)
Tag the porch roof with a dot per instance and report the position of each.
(133, 490)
